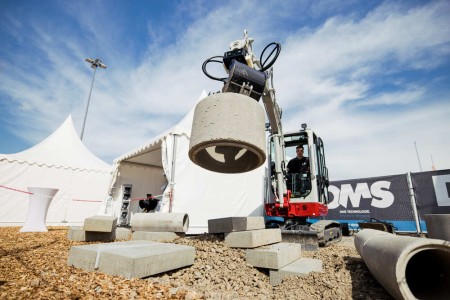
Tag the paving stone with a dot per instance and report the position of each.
(300, 267)
(156, 236)
(76, 233)
(308, 239)
(224, 225)
(131, 259)
(252, 238)
(85, 256)
(273, 256)
(123, 234)
(100, 223)
(144, 261)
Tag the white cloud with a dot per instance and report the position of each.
(404, 97)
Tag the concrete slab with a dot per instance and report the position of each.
(224, 225)
(274, 256)
(308, 239)
(252, 238)
(144, 261)
(85, 257)
(100, 223)
(76, 233)
(131, 259)
(156, 236)
(300, 267)
(123, 234)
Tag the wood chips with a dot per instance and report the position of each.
(34, 266)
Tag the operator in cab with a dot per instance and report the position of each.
(300, 163)
(298, 178)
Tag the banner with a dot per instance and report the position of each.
(432, 191)
(385, 198)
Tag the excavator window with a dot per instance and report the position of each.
(322, 171)
(298, 180)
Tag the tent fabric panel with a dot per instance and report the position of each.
(87, 193)
(17, 177)
(82, 185)
(154, 143)
(12, 159)
(151, 157)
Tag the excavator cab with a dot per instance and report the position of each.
(311, 184)
(307, 191)
(306, 197)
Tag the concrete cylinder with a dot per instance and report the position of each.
(160, 222)
(40, 199)
(407, 267)
(438, 226)
(228, 134)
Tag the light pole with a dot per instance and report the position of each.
(418, 159)
(95, 63)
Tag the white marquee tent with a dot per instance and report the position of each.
(60, 161)
(162, 167)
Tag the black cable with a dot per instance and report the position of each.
(213, 59)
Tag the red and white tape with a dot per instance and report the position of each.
(30, 193)
(16, 190)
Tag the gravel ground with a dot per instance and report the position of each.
(34, 266)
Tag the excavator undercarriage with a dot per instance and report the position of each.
(311, 236)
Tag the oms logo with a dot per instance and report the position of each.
(378, 194)
(441, 185)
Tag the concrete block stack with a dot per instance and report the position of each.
(244, 232)
(98, 228)
(264, 247)
(142, 256)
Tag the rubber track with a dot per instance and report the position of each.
(323, 227)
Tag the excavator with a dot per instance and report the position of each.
(294, 202)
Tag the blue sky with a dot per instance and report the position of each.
(370, 77)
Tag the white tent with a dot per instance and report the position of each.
(60, 161)
(162, 167)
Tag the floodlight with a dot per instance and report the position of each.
(95, 63)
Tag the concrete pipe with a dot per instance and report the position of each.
(228, 134)
(438, 226)
(160, 222)
(407, 267)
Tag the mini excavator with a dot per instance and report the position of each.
(294, 202)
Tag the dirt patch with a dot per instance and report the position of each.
(34, 266)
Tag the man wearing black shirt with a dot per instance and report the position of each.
(299, 164)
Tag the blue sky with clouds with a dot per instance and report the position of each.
(371, 77)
